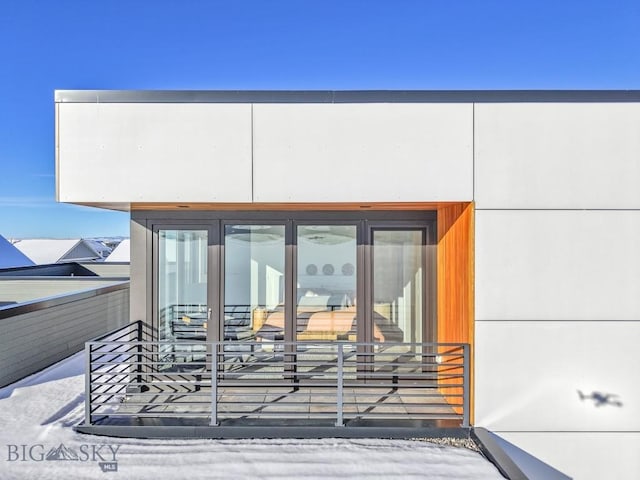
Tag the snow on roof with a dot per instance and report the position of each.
(41, 410)
(10, 256)
(121, 253)
(49, 250)
(98, 246)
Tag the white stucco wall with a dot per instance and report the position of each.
(557, 155)
(148, 152)
(558, 282)
(363, 152)
(145, 152)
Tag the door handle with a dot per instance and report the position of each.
(209, 314)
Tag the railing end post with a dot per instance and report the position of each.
(466, 402)
(87, 383)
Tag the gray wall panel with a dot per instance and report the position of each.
(28, 289)
(32, 341)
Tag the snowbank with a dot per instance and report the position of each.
(37, 415)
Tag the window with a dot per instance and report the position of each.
(297, 276)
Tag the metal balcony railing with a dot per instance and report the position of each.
(306, 381)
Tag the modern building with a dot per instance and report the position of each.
(504, 224)
(10, 256)
(44, 251)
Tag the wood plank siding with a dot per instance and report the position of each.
(456, 278)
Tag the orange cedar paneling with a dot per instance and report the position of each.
(456, 279)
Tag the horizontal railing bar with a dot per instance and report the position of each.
(327, 362)
(355, 392)
(156, 414)
(263, 413)
(184, 382)
(405, 395)
(136, 363)
(167, 399)
(145, 404)
(378, 413)
(233, 357)
(352, 392)
(249, 362)
(265, 353)
(267, 393)
(280, 404)
(331, 374)
(279, 382)
(405, 405)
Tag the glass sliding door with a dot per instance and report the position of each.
(182, 292)
(254, 282)
(299, 279)
(182, 285)
(326, 282)
(398, 285)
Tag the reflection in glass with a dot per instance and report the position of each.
(254, 258)
(326, 301)
(182, 285)
(398, 292)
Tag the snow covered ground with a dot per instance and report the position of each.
(37, 415)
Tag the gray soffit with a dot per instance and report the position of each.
(345, 96)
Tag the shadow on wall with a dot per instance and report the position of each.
(601, 399)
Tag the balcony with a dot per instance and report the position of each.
(139, 387)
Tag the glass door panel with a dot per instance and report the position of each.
(326, 282)
(182, 293)
(254, 283)
(398, 285)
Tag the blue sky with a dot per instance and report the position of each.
(272, 44)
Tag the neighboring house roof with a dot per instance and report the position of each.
(10, 256)
(47, 250)
(99, 247)
(121, 253)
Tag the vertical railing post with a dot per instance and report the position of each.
(466, 404)
(340, 386)
(139, 357)
(87, 383)
(214, 385)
